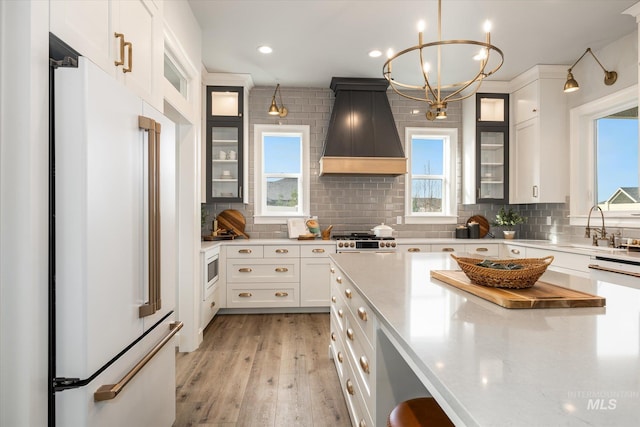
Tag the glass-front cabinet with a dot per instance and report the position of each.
(224, 144)
(492, 148)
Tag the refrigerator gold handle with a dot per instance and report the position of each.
(110, 391)
(121, 37)
(129, 47)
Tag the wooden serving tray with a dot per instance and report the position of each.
(541, 295)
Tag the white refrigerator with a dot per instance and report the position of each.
(115, 254)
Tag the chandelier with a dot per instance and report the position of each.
(437, 94)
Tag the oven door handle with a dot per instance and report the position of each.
(613, 270)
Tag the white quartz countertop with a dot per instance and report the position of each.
(508, 367)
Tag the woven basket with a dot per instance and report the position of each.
(526, 277)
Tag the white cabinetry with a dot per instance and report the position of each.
(90, 27)
(474, 249)
(314, 274)
(540, 144)
(211, 294)
(407, 247)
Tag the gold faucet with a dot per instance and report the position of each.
(602, 231)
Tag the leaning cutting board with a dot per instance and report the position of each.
(541, 295)
(232, 221)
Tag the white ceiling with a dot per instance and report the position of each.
(314, 40)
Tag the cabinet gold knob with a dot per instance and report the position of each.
(213, 304)
(340, 313)
(282, 294)
(347, 293)
(245, 270)
(333, 336)
(318, 251)
(340, 357)
(362, 314)
(333, 299)
(281, 269)
(350, 388)
(339, 279)
(350, 334)
(413, 250)
(244, 251)
(515, 251)
(448, 250)
(364, 364)
(333, 270)
(245, 294)
(282, 251)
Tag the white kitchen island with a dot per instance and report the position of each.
(487, 365)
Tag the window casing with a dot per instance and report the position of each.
(281, 179)
(430, 195)
(584, 158)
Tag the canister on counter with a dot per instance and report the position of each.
(474, 230)
(462, 232)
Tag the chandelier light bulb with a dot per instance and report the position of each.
(389, 53)
(482, 54)
(487, 26)
(421, 26)
(426, 67)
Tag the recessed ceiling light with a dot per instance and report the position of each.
(375, 53)
(265, 49)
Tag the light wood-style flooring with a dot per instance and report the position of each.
(261, 370)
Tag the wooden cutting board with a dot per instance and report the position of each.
(232, 221)
(541, 295)
(482, 222)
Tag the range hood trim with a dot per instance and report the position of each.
(393, 166)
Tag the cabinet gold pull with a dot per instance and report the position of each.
(482, 250)
(350, 388)
(515, 251)
(340, 357)
(362, 313)
(213, 304)
(121, 37)
(281, 269)
(282, 294)
(130, 51)
(244, 294)
(318, 251)
(339, 279)
(347, 293)
(350, 333)
(413, 250)
(364, 364)
(282, 251)
(333, 270)
(245, 270)
(448, 250)
(333, 299)
(244, 251)
(333, 336)
(340, 313)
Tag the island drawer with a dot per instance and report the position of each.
(339, 307)
(271, 295)
(354, 398)
(450, 248)
(337, 346)
(317, 251)
(249, 251)
(483, 250)
(363, 316)
(361, 354)
(263, 270)
(282, 251)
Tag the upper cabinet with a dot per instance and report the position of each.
(539, 145)
(492, 148)
(123, 37)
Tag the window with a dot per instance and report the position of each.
(431, 181)
(281, 173)
(604, 159)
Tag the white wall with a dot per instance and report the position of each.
(24, 68)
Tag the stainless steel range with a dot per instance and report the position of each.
(363, 242)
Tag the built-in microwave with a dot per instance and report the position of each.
(211, 271)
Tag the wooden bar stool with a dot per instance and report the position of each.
(419, 412)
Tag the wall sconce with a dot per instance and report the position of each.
(274, 110)
(571, 85)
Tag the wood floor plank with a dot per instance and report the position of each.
(260, 370)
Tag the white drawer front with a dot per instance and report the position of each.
(455, 248)
(483, 250)
(515, 251)
(314, 251)
(263, 271)
(282, 251)
(279, 295)
(248, 251)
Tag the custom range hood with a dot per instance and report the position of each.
(362, 138)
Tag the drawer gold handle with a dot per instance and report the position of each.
(333, 270)
(347, 293)
(318, 251)
(333, 299)
(333, 336)
(413, 250)
(482, 250)
(340, 313)
(364, 364)
(213, 304)
(282, 251)
(350, 388)
(448, 250)
(245, 270)
(244, 251)
(340, 357)
(350, 334)
(282, 294)
(362, 314)
(515, 251)
(339, 279)
(281, 269)
(244, 294)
